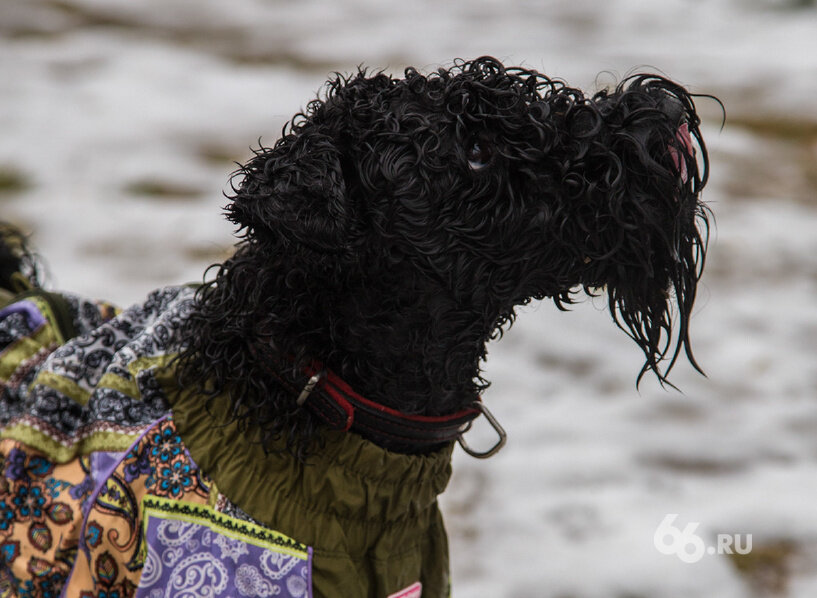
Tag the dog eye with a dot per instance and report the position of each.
(479, 156)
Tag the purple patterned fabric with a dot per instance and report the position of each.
(33, 316)
(103, 463)
(194, 551)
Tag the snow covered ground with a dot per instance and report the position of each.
(119, 123)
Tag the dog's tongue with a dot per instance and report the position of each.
(686, 141)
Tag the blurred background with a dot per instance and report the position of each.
(119, 125)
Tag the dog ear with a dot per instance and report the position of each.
(294, 194)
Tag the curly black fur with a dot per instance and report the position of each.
(395, 226)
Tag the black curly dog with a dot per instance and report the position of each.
(395, 226)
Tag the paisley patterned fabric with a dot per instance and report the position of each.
(191, 546)
(99, 497)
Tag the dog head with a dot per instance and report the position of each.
(493, 186)
(397, 223)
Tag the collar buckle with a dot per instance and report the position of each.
(309, 387)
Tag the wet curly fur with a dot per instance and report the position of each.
(397, 224)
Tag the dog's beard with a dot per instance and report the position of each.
(644, 229)
(651, 278)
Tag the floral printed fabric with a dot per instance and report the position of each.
(88, 443)
(36, 513)
(135, 523)
(111, 541)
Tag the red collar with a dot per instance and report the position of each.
(335, 403)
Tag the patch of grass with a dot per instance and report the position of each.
(784, 129)
(12, 180)
(210, 253)
(249, 57)
(577, 366)
(219, 155)
(88, 17)
(162, 190)
(693, 465)
(783, 162)
(767, 567)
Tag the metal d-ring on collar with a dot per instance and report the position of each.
(500, 432)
